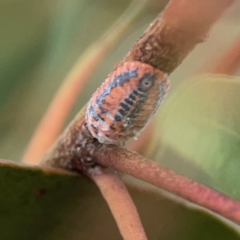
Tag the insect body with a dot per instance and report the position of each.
(125, 102)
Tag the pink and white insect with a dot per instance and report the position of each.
(125, 102)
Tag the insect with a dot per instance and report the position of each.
(125, 102)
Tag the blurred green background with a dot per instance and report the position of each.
(40, 42)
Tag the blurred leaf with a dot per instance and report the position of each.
(201, 121)
(36, 204)
(23, 26)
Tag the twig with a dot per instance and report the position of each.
(63, 101)
(137, 166)
(164, 44)
(229, 62)
(174, 34)
(120, 203)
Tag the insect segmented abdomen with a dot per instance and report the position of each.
(125, 102)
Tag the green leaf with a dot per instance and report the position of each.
(201, 121)
(46, 205)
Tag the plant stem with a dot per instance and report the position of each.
(168, 40)
(164, 45)
(142, 168)
(175, 33)
(120, 203)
